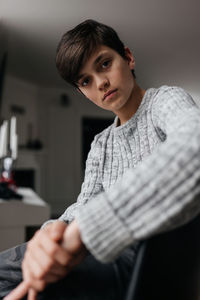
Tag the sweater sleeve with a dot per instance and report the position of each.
(160, 193)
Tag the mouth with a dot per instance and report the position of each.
(109, 94)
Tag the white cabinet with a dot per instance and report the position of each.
(16, 215)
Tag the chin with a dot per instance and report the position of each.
(119, 105)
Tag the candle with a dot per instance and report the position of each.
(12, 133)
(1, 141)
(14, 150)
(4, 130)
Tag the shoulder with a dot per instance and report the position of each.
(173, 93)
(171, 97)
(170, 105)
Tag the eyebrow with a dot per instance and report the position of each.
(97, 60)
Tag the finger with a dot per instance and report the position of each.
(62, 256)
(58, 270)
(32, 294)
(19, 292)
(34, 269)
(51, 248)
(72, 242)
(57, 253)
(37, 284)
(43, 242)
(40, 266)
(57, 230)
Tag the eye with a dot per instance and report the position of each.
(106, 64)
(85, 82)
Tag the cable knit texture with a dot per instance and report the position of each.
(148, 171)
(114, 151)
(141, 178)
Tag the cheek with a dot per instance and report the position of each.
(124, 79)
(122, 73)
(91, 96)
(87, 93)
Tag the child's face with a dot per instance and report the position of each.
(106, 79)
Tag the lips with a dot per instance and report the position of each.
(109, 93)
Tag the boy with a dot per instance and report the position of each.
(142, 172)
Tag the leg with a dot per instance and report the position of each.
(92, 280)
(10, 269)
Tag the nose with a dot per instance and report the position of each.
(102, 82)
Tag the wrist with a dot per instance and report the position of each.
(72, 238)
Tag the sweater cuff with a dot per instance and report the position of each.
(102, 232)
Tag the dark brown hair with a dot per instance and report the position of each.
(77, 45)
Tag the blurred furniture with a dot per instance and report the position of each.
(16, 216)
(168, 266)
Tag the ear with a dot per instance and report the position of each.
(130, 58)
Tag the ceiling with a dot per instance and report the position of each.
(164, 36)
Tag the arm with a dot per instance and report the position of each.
(159, 193)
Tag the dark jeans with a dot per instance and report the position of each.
(91, 280)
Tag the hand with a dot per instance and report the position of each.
(44, 261)
(75, 252)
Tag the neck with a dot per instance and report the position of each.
(132, 104)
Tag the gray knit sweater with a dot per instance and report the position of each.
(142, 177)
(148, 170)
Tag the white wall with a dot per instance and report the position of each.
(59, 129)
(24, 95)
(61, 132)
